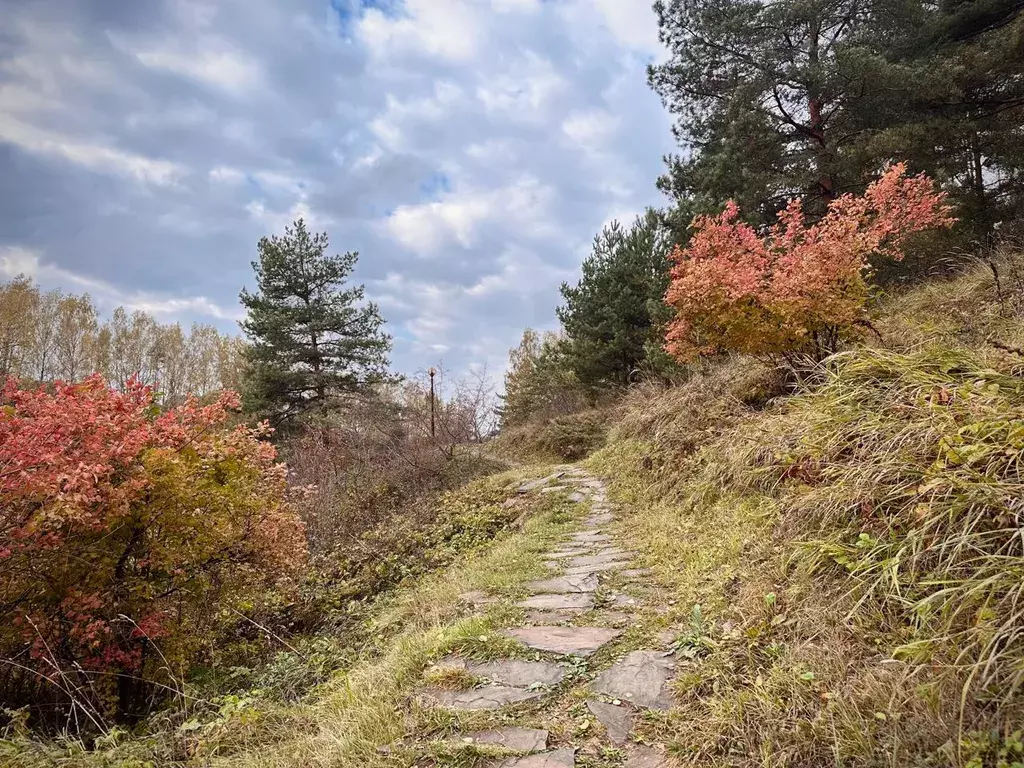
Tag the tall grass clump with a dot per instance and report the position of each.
(904, 476)
(856, 551)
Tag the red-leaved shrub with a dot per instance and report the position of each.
(123, 532)
(801, 287)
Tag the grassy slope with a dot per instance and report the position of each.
(854, 551)
(343, 721)
(835, 564)
(841, 567)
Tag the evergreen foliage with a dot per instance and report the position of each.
(808, 98)
(615, 311)
(312, 339)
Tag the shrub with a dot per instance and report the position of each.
(574, 437)
(124, 532)
(801, 288)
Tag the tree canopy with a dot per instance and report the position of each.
(312, 339)
(615, 311)
(811, 98)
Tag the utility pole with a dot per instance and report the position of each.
(432, 372)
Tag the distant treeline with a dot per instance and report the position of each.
(51, 335)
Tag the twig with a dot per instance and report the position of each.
(270, 632)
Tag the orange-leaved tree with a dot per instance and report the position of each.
(124, 531)
(802, 287)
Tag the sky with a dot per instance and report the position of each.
(469, 150)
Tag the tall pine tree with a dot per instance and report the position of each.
(949, 97)
(312, 340)
(759, 89)
(811, 98)
(612, 317)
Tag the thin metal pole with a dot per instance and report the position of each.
(431, 403)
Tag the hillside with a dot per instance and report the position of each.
(745, 491)
(836, 569)
(761, 576)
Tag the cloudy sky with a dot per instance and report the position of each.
(468, 149)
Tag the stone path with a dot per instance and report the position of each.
(566, 623)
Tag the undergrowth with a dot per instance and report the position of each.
(391, 614)
(852, 554)
(840, 565)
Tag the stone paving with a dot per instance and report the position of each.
(576, 591)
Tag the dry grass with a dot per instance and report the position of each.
(980, 308)
(841, 568)
(855, 550)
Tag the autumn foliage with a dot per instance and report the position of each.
(123, 533)
(799, 288)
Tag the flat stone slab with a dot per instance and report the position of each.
(554, 488)
(521, 674)
(565, 584)
(617, 721)
(598, 559)
(583, 570)
(590, 537)
(562, 553)
(577, 602)
(645, 757)
(640, 677)
(535, 484)
(577, 641)
(488, 697)
(516, 739)
(559, 758)
(577, 497)
(604, 518)
(514, 672)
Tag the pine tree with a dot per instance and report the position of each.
(759, 89)
(811, 98)
(311, 338)
(949, 98)
(611, 315)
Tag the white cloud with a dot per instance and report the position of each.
(529, 93)
(21, 261)
(457, 218)
(93, 156)
(445, 29)
(520, 270)
(517, 6)
(403, 117)
(630, 23)
(226, 175)
(590, 128)
(209, 60)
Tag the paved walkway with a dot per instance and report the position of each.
(570, 616)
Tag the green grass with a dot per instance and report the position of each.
(840, 570)
(856, 559)
(362, 709)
